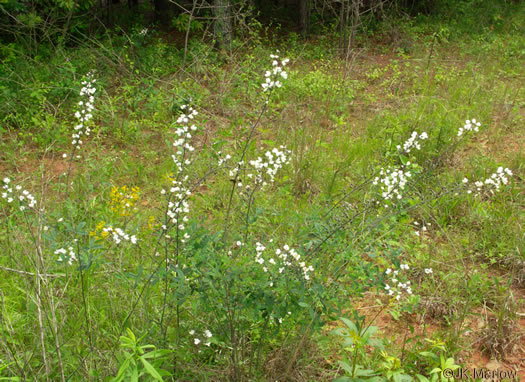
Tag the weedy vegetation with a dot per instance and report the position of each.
(178, 207)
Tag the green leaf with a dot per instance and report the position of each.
(370, 331)
(364, 372)
(343, 379)
(450, 364)
(157, 353)
(151, 370)
(349, 324)
(346, 367)
(122, 371)
(131, 335)
(428, 354)
(135, 375)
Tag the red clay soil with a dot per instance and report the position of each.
(475, 358)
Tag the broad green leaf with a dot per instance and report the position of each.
(343, 379)
(349, 324)
(151, 370)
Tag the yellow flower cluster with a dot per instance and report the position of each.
(99, 232)
(169, 177)
(153, 224)
(123, 199)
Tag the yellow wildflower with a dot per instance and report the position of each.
(99, 232)
(123, 199)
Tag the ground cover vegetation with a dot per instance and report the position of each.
(261, 191)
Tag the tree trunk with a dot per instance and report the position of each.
(304, 17)
(356, 15)
(343, 26)
(223, 23)
(109, 13)
(161, 11)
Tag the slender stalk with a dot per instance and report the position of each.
(70, 164)
(41, 326)
(243, 154)
(186, 37)
(85, 305)
(38, 299)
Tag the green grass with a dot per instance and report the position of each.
(342, 122)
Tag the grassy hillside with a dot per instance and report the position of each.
(360, 218)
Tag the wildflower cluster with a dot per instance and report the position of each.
(397, 288)
(206, 337)
(277, 73)
(284, 258)
(413, 142)
(118, 235)
(265, 168)
(421, 228)
(99, 232)
(24, 197)
(492, 184)
(274, 160)
(152, 223)
(178, 206)
(66, 255)
(223, 159)
(469, 126)
(123, 199)
(83, 115)
(392, 182)
(182, 144)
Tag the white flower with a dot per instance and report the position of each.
(392, 182)
(469, 126)
(84, 114)
(282, 261)
(428, 270)
(207, 333)
(396, 286)
(271, 76)
(413, 141)
(118, 235)
(493, 183)
(196, 341)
